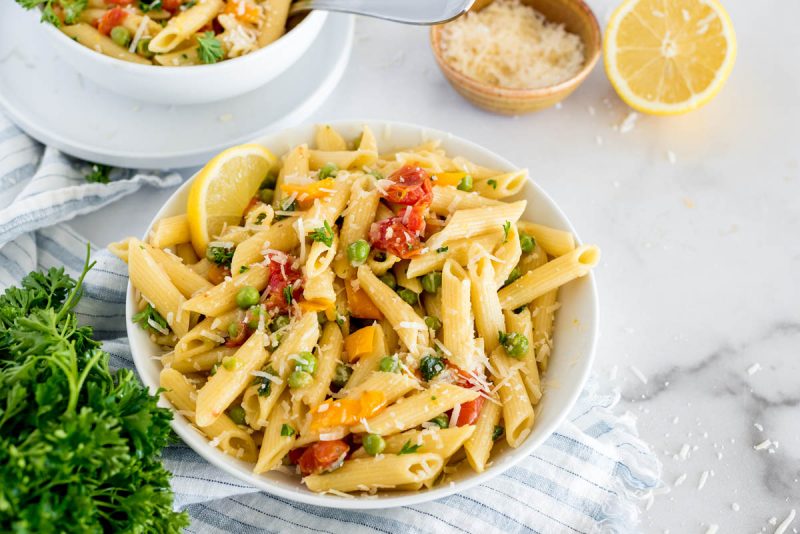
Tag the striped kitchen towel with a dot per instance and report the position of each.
(589, 476)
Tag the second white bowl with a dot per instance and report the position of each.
(189, 85)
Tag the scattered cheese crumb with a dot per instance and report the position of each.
(703, 480)
(638, 374)
(225, 117)
(753, 369)
(712, 529)
(786, 522)
(735, 507)
(628, 123)
(671, 157)
(763, 445)
(680, 480)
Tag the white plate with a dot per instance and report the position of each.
(574, 337)
(57, 106)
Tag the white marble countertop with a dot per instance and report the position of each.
(701, 255)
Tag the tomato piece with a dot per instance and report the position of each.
(171, 5)
(321, 456)
(120, 2)
(241, 337)
(470, 411)
(412, 185)
(111, 19)
(282, 273)
(217, 273)
(295, 454)
(391, 235)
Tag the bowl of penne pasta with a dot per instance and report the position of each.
(180, 52)
(379, 315)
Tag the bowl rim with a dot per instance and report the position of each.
(313, 17)
(511, 457)
(524, 93)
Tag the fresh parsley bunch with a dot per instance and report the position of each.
(71, 9)
(80, 446)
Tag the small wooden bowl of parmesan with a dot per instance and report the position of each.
(518, 56)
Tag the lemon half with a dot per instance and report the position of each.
(667, 57)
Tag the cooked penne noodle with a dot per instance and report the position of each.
(433, 260)
(543, 311)
(479, 445)
(554, 242)
(358, 217)
(89, 37)
(229, 437)
(198, 362)
(275, 22)
(182, 26)
(185, 280)
(329, 356)
(549, 276)
(517, 407)
(388, 471)
(222, 298)
(457, 321)
(507, 256)
(488, 313)
(446, 200)
(473, 222)
(501, 185)
(521, 323)
(326, 138)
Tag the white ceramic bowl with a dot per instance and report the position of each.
(189, 85)
(571, 361)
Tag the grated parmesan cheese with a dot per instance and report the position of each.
(508, 44)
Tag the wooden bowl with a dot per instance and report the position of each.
(577, 18)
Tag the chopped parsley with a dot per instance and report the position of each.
(150, 5)
(98, 174)
(243, 269)
(265, 384)
(323, 234)
(287, 294)
(493, 183)
(290, 206)
(442, 249)
(220, 255)
(71, 9)
(430, 366)
(148, 315)
(498, 432)
(408, 448)
(287, 430)
(506, 229)
(209, 48)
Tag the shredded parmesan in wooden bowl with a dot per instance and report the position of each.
(508, 44)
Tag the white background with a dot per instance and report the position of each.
(701, 258)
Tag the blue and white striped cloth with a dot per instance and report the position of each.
(590, 476)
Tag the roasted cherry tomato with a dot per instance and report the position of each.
(242, 333)
(111, 19)
(281, 275)
(322, 456)
(470, 411)
(412, 186)
(391, 235)
(171, 5)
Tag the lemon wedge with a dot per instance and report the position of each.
(669, 57)
(223, 189)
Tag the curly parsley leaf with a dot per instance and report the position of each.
(220, 255)
(323, 234)
(79, 444)
(506, 229)
(149, 316)
(71, 9)
(209, 48)
(408, 448)
(99, 174)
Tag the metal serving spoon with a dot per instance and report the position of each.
(423, 12)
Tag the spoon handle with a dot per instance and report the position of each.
(421, 12)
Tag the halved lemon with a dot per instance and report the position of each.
(667, 57)
(223, 189)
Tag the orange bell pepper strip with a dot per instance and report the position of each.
(306, 193)
(448, 178)
(359, 303)
(248, 13)
(360, 342)
(347, 411)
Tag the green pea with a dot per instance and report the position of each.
(230, 363)
(513, 276)
(306, 362)
(357, 252)
(526, 243)
(373, 444)
(213, 370)
(408, 296)
(498, 432)
(266, 196)
(247, 296)
(233, 329)
(430, 366)
(299, 379)
(236, 413)
(254, 314)
(341, 375)
(433, 322)
(143, 47)
(465, 184)
(516, 345)
(280, 321)
(327, 170)
(389, 364)
(432, 281)
(121, 35)
(389, 280)
(441, 420)
(269, 181)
